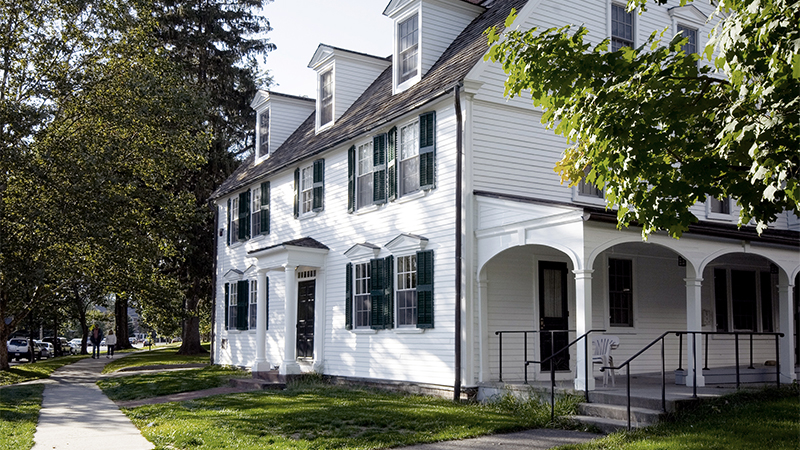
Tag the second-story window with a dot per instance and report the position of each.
(364, 180)
(306, 188)
(255, 212)
(407, 49)
(690, 33)
(234, 217)
(263, 133)
(621, 27)
(409, 158)
(326, 97)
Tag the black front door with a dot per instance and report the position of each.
(553, 313)
(305, 318)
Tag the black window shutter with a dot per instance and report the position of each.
(351, 179)
(427, 150)
(379, 169)
(244, 216)
(228, 222)
(266, 303)
(265, 207)
(376, 283)
(388, 292)
(296, 193)
(317, 202)
(242, 301)
(425, 289)
(227, 299)
(391, 165)
(348, 301)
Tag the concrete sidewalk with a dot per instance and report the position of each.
(76, 414)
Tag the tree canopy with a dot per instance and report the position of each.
(660, 129)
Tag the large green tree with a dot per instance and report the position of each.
(661, 129)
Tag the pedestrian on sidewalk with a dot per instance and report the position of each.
(95, 337)
(111, 341)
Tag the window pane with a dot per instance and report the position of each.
(253, 315)
(620, 292)
(409, 158)
(307, 189)
(407, 290)
(743, 299)
(232, 307)
(361, 300)
(621, 28)
(767, 283)
(364, 178)
(408, 42)
(326, 97)
(255, 228)
(263, 133)
(234, 220)
(691, 46)
(721, 298)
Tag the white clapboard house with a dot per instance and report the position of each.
(339, 247)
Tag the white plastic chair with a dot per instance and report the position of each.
(601, 354)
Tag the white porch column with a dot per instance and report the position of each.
(484, 372)
(289, 365)
(583, 323)
(694, 315)
(319, 322)
(261, 365)
(786, 314)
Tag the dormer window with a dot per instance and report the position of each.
(408, 49)
(621, 27)
(326, 97)
(263, 133)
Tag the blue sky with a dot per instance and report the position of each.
(299, 26)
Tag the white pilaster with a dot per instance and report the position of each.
(261, 364)
(483, 331)
(583, 323)
(694, 316)
(289, 365)
(786, 314)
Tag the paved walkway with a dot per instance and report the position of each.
(77, 415)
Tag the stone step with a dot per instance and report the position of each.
(605, 425)
(257, 383)
(641, 416)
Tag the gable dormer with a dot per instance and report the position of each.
(423, 30)
(342, 76)
(277, 117)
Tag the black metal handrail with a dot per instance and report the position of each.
(627, 363)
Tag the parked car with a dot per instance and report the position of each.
(60, 345)
(18, 348)
(46, 349)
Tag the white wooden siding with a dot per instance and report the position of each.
(353, 74)
(285, 116)
(440, 25)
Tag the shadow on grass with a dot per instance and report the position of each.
(19, 413)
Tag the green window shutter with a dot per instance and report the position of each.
(319, 186)
(242, 302)
(388, 292)
(379, 169)
(391, 165)
(226, 299)
(266, 303)
(228, 222)
(425, 289)
(244, 216)
(265, 207)
(351, 179)
(348, 300)
(297, 193)
(427, 150)
(376, 283)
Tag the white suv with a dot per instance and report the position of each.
(18, 348)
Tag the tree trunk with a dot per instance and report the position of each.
(190, 335)
(4, 332)
(84, 328)
(121, 322)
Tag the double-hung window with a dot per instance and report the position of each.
(409, 158)
(361, 295)
(306, 188)
(233, 306)
(252, 312)
(743, 299)
(309, 188)
(364, 178)
(233, 218)
(255, 216)
(238, 298)
(326, 97)
(406, 291)
(621, 27)
(408, 49)
(620, 292)
(263, 133)
(691, 46)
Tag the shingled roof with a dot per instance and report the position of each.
(377, 106)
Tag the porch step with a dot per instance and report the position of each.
(639, 416)
(606, 426)
(618, 398)
(257, 383)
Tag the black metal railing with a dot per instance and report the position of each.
(694, 362)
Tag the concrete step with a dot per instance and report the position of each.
(256, 383)
(642, 416)
(605, 425)
(619, 398)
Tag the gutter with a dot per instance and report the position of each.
(458, 227)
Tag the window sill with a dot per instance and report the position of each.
(720, 217)
(234, 331)
(411, 196)
(409, 330)
(309, 215)
(236, 244)
(363, 331)
(366, 209)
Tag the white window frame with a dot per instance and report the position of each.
(405, 282)
(401, 86)
(260, 154)
(252, 307)
(234, 224)
(322, 98)
(357, 291)
(364, 178)
(255, 212)
(720, 216)
(401, 162)
(621, 329)
(681, 27)
(306, 189)
(233, 306)
(759, 313)
(610, 19)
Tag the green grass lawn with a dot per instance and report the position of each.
(318, 416)
(19, 413)
(153, 385)
(162, 355)
(764, 420)
(38, 370)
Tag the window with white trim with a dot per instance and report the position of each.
(409, 158)
(620, 292)
(621, 27)
(306, 189)
(263, 133)
(252, 311)
(233, 307)
(234, 220)
(326, 97)
(364, 178)
(361, 295)
(408, 49)
(719, 206)
(255, 211)
(691, 33)
(743, 299)
(406, 295)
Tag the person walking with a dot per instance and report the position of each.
(111, 341)
(95, 337)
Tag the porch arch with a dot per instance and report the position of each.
(636, 239)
